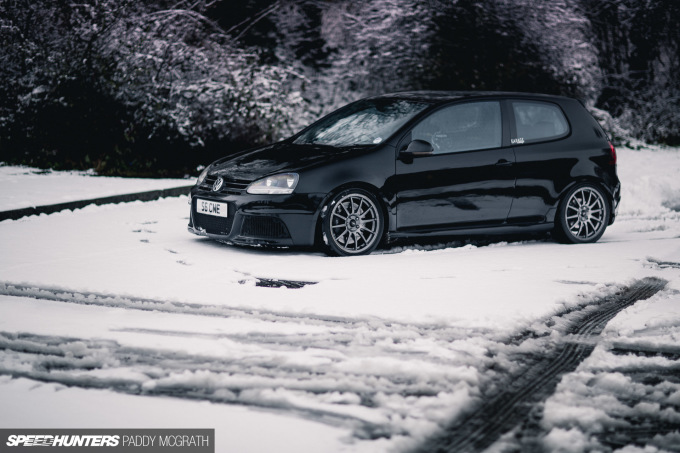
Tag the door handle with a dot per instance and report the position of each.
(503, 163)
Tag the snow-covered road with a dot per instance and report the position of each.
(120, 306)
(24, 187)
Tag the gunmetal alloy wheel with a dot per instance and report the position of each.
(584, 215)
(353, 223)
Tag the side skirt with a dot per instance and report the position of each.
(468, 231)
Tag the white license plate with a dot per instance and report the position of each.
(212, 208)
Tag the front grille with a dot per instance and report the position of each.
(264, 227)
(230, 186)
(213, 224)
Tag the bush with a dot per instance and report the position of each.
(131, 89)
(157, 88)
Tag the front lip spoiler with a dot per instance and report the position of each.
(192, 229)
(242, 240)
(197, 231)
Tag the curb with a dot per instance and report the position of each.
(139, 196)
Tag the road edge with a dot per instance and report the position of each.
(150, 195)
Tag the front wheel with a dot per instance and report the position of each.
(352, 223)
(583, 215)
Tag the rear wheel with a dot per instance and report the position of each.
(583, 215)
(352, 223)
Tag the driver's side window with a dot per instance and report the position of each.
(462, 127)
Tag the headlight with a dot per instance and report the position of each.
(202, 176)
(274, 185)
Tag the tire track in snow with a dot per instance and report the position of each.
(440, 332)
(77, 362)
(663, 264)
(263, 379)
(644, 428)
(187, 308)
(354, 372)
(654, 377)
(536, 381)
(371, 401)
(147, 304)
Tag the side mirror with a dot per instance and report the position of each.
(416, 148)
(419, 148)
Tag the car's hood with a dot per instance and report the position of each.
(279, 157)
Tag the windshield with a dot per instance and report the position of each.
(367, 122)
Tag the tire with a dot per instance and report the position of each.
(352, 223)
(583, 215)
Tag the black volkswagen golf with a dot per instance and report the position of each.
(417, 164)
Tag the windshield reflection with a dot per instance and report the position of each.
(367, 122)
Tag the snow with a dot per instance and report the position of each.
(377, 354)
(611, 391)
(151, 241)
(237, 426)
(25, 187)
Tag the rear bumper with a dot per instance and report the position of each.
(616, 200)
(267, 220)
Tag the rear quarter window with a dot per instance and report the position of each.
(538, 121)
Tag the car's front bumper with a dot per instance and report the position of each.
(271, 220)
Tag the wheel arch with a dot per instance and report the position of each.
(585, 180)
(558, 230)
(382, 202)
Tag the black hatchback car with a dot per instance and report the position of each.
(417, 164)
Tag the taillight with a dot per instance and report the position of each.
(612, 155)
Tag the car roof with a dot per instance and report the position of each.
(437, 97)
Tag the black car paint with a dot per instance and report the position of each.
(515, 188)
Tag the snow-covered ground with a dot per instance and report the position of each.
(25, 187)
(629, 388)
(116, 316)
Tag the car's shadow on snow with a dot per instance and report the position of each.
(394, 247)
(258, 249)
(441, 243)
